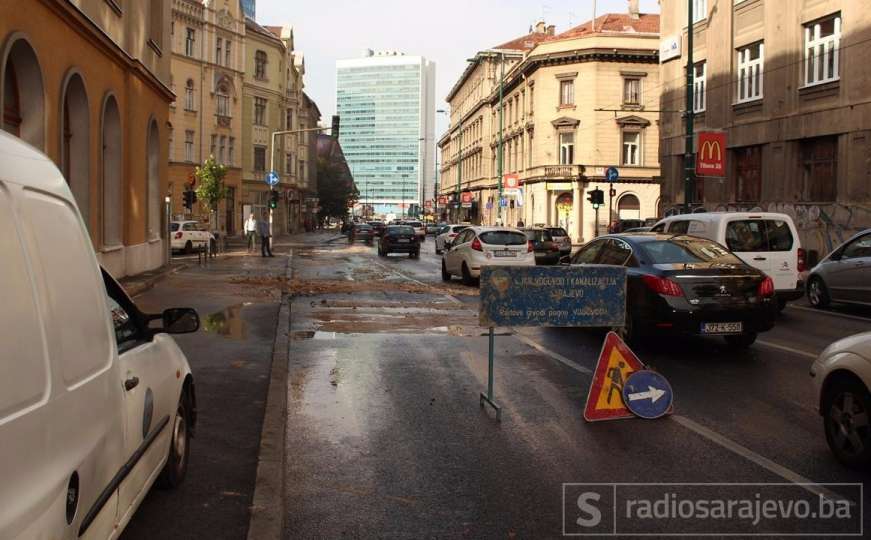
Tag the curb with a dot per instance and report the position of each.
(135, 288)
(267, 505)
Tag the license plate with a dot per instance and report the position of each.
(403, 240)
(722, 328)
(504, 253)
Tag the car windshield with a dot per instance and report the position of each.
(558, 231)
(400, 229)
(503, 238)
(687, 250)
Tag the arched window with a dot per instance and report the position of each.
(75, 147)
(222, 98)
(23, 95)
(189, 95)
(628, 207)
(152, 152)
(260, 65)
(112, 159)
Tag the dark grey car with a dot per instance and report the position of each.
(844, 275)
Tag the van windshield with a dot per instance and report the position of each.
(753, 235)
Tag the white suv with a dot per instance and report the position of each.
(476, 247)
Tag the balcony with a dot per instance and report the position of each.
(223, 121)
(561, 172)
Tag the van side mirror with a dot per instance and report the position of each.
(180, 321)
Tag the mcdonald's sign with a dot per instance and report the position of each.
(711, 159)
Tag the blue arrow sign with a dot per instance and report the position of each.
(647, 394)
(612, 174)
(272, 178)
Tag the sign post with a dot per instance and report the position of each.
(271, 181)
(612, 174)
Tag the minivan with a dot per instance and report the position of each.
(765, 240)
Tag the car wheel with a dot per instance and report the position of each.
(817, 293)
(629, 331)
(740, 341)
(188, 247)
(781, 305)
(467, 276)
(176, 467)
(414, 255)
(446, 276)
(845, 418)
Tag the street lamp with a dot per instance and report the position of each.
(499, 172)
(437, 172)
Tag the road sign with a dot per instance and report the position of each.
(605, 398)
(612, 174)
(711, 160)
(272, 178)
(647, 394)
(466, 199)
(579, 296)
(511, 183)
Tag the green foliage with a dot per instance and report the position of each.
(336, 189)
(210, 183)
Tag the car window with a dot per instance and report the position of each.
(463, 237)
(858, 248)
(679, 227)
(658, 228)
(779, 235)
(614, 252)
(748, 235)
(400, 229)
(460, 228)
(503, 238)
(126, 319)
(188, 227)
(173, 227)
(588, 253)
(557, 231)
(687, 250)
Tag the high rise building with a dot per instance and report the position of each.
(387, 108)
(248, 8)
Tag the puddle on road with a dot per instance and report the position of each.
(227, 323)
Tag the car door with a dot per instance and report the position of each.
(747, 239)
(589, 253)
(782, 254)
(454, 256)
(849, 277)
(150, 399)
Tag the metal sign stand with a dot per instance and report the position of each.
(489, 396)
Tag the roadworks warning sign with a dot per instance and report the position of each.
(616, 363)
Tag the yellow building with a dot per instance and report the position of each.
(573, 105)
(87, 83)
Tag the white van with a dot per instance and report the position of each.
(765, 240)
(96, 404)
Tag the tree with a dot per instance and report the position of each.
(336, 189)
(210, 183)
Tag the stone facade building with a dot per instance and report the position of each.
(788, 84)
(88, 83)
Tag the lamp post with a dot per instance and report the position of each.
(689, 162)
(499, 163)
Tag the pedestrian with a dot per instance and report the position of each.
(263, 231)
(520, 223)
(250, 231)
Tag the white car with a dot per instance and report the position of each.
(96, 403)
(842, 377)
(764, 240)
(186, 235)
(477, 247)
(446, 235)
(419, 228)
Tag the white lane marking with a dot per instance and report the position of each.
(709, 434)
(830, 313)
(799, 352)
(450, 297)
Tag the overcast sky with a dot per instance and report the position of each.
(444, 31)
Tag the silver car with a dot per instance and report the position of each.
(844, 275)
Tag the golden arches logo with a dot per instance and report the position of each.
(711, 147)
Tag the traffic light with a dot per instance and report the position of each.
(597, 198)
(273, 199)
(190, 197)
(335, 129)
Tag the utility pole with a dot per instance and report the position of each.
(688, 159)
(501, 120)
(460, 166)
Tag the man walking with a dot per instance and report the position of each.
(263, 231)
(250, 232)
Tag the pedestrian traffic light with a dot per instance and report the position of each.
(597, 198)
(335, 129)
(190, 197)
(273, 199)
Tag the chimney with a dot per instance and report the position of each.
(551, 29)
(540, 27)
(634, 13)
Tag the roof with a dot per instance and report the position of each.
(524, 43)
(275, 30)
(265, 32)
(646, 23)
(27, 166)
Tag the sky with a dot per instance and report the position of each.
(444, 31)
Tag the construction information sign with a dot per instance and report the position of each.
(587, 295)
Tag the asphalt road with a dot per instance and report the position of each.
(386, 439)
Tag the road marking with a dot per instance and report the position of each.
(709, 434)
(830, 313)
(799, 352)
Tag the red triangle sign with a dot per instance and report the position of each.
(616, 363)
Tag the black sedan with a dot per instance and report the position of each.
(547, 250)
(686, 285)
(399, 239)
(378, 227)
(361, 232)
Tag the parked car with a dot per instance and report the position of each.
(399, 239)
(446, 235)
(842, 376)
(432, 228)
(97, 401)
(361, 232)
(418, 227)
(476, 247)
(546, 250)
(187, 235)
(638, 229)
(377, 227)
(844, 275)
(561, 237)
(686, 285)
(764, 240)
(623, 225)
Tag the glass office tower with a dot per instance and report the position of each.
(387, 108)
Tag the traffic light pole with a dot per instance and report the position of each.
(689, 162)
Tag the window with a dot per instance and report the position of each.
(750, 69)
(213, 149)
(631, 91)
(288, 119)
(259, 158)
(302, 170)
(170, 138)
(189, 42)
(700, 10)
(260, 65)
(679, 227)
(859, 248)
(820, 163)
(231, 151)
(222, 101)
(755, 235)
(566, 93)
(631, 148)
(218, 52)
(748, 173)
(616, 252)
(699, 99)
(288, 163)
(156, 22)
(531, 100)
(822, 41)
(227, 55)
(188, 145)
(260, 111)
(566, 148)
(222, 149)
(589, 253)
(189, 95)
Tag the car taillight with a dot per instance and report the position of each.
(766, 288)
(554, 247)
(662, 285)
(178, 235)
(476, 245)
(802, 260)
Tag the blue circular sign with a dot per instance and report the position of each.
(647, 394)
(612, 174)
(272, 178)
